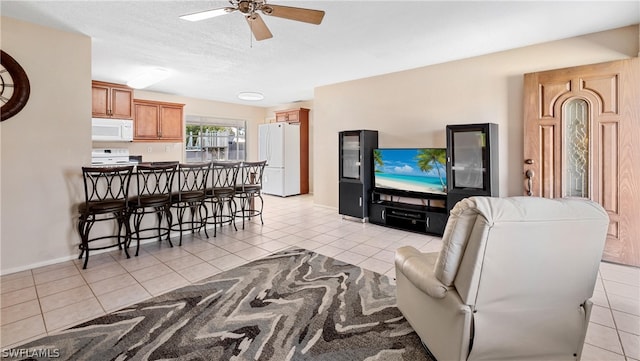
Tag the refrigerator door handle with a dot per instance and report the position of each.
(268, 145)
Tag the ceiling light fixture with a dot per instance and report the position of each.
(149, 77)
(253, 96)
(202, 15)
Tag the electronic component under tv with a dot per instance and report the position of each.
(411, 171)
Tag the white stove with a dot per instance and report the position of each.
(110, 156)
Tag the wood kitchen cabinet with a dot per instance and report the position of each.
(300, 116)
(109, 100)
(292, 116)
(157, 121)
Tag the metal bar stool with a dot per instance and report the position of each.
(154, 186)
(250, 189)
(192, 186)
(106, 191)
(221, 192)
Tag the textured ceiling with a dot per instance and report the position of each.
(216, 58)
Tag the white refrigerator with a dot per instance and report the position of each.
(279, 145)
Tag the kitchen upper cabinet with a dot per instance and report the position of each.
(293, 116)
(109, 100)
(157, 121)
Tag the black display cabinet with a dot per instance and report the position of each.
(472, 161)
(356, 171)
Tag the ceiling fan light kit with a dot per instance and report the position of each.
(202, 15)
(250, 9)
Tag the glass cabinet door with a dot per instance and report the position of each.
(472, 162)
(468, 160)
(350, 157)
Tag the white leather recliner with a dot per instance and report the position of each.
(512, 281)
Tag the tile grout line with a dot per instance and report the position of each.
(35, 287)
(88, 285)
(615, 324)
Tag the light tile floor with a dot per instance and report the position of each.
(41, 301)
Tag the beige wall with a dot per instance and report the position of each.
(412, 108)
(43, 146)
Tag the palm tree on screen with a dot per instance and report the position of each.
(377, 160)
(432, 158)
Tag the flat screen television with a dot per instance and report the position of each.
(411, 171)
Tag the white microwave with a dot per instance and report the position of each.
(111, 130)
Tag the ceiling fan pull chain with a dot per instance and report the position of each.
(251, 34)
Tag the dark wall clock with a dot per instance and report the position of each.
(14, 87)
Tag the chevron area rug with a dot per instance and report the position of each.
(291, 305)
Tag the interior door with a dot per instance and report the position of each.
(582, 139)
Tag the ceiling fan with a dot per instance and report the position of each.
(250, 9)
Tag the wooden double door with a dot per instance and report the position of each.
(582, 139)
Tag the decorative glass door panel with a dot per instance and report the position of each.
(351, 158)
(472, 161)
(576, 152)
(468, 166)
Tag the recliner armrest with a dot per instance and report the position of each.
(418, 268)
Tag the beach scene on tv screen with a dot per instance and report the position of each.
(417, 170)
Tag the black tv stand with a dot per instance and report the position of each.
(429, 219)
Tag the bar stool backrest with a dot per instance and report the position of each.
(192, 179)
(106, 183)
(155, 180)
(224, 174)
(251, 176)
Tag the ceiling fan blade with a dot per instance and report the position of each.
(201, 15)
(258, 27)
(299, 14)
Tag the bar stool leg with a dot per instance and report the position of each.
(167, 213)
(192, 211)
(261, 207)
(81, 223)
(84, 226)
(124, 219)
(233, 207)
(203, 221)
(159, 213)
(214, 209)
(137, 219)
(180, 215)
(232, 212)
